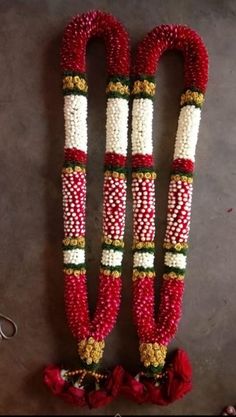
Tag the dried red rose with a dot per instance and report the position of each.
(179, 376)
(134, 390)
(52, 378)
(79, 396)
(98, 398)
(74, 396)
(177, 384)
(102, 397)
(115, 380)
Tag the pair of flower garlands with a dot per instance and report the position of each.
(159, 381)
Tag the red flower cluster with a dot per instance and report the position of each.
(139, 160)
(86, 26)
(79, 396)
(180, 38)
(115, 159)
(177, 383)
(183, 165)
(75, 155)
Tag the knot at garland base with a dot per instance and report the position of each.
(82, 387)
(163, 388)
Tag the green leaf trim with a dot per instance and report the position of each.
(74, 74)
(113, 247)
(142, 269)
(71, 164)
(111, 268)
(143, 95)
(182, 174)
(74, 92)
(113, 168)
(178, 271)
(74, 266)
(113, 94)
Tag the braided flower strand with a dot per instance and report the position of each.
(87, 385)
(160, 383)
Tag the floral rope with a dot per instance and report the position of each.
(86, 385)
(156, 333)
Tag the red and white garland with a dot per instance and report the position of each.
(156, 383)
(86, 385)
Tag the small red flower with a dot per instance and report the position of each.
(52, 378)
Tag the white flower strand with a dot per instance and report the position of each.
(117, 125)
(143, 259)
(111, 257)
(75, 115)
(187, 132)
(142, 115)
(176, 260)
(74, 256)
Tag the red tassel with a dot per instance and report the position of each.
(79, 396)
(178, 383)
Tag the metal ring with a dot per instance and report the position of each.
(3, 335)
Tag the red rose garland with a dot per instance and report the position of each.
(87, 386)
(156, 383)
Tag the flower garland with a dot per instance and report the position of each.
(86, 385)
(158, 383)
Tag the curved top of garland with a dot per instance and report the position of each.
(174, 37)
(89, 25)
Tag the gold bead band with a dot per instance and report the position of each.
(141, 274)
(173, 275)
(192, 97)
(117, 87)
(182, 178)
(152, 354)
(75, 241)
(144, 86)
(143, 245)
(91, 350)
(117, 242)
(144, 175)
(74, 82)
(115, 174)
(71, 170)
(76, 272)
(176, 246)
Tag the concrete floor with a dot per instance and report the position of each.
(31, 230)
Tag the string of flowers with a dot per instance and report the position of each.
(158, 382)
(87, 385)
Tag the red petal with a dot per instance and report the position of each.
(115, 381)
(134, 389)
(74, 396)
(98, 398)
(52, 378)
(182, 365)
(156, 395)
(179, 376)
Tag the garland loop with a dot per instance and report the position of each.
(156, 333)
(87, 385)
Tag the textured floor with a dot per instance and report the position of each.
(31, 149)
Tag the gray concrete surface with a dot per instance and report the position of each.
(31, 149)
